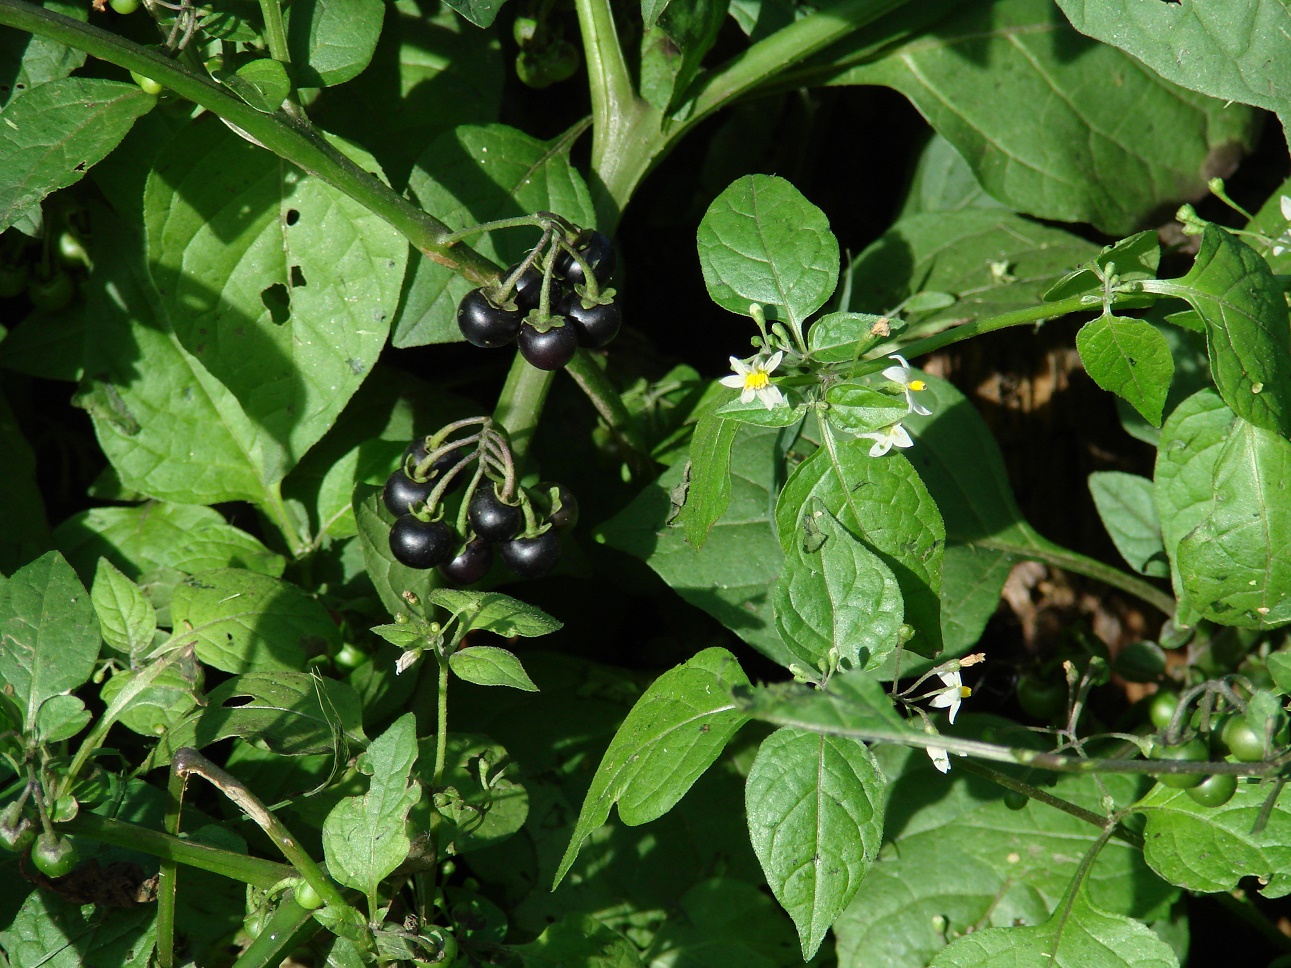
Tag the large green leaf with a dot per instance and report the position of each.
(363, 837)
(53, 134)
(943, 182)
(1128, 510)
(1057, 139)
(281, 286)
(331, 41)
(1210, 849)
(708, 484)
(49, 932)
(476, 174)
(676, 730)
(1247, 335)
(836, 595)
(883, 502)
(38, 59)
(1080, 935)
(732, 576)
(242, 621)
(1236, 51)
(49, 635)
(725, 923)
(762, 242)
(479, 802)
(956, 860)
(815, 814)
(495, 612)
(170, 429)
(488, 665)
(1130, 358)
(1236, 565)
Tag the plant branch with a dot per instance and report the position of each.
(520, 404)
(591, 379)
(290, 139)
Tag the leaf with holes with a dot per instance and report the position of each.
(282, 287)
(815, 815)
(762, 242)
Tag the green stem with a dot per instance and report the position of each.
(167, 876)
(259, 873)
(289, 927)
(275, 509)
(275, 32)
(520, 404)
(591, 379)
(286, 137)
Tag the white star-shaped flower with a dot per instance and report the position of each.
(900, 375)
(952, 695)
(887, 438)
(940, 758)
(1283, 242)
(754, 380)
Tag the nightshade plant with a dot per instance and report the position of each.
(237, 727)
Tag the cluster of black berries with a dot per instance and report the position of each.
(495, 512)
(551, 303)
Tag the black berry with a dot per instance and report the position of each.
(531, 557)
(421, 544)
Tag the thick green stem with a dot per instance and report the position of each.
(275, 32)
(520, 404)
(255, 871)
(591, 379)
(293, 140)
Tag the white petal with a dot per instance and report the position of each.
(951, 679)
(881, 444)
(773, 361)
(739, 367)
(771, 397)
(919, 408)
(896, 374)
(734, 382)
(899, 437)
(747, 395)
(1278, 250)
(1285, 202)
(900, 359)
(939, 759)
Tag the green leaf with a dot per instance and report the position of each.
(49, 932)
(151, 420)
(1209, 849)
(39, 59)
(479, 12)
(859, 409)
(1082, 162)
(332, 41)
(725, 923)
(495, 612)
(1190, 445)
(1130, 358)
(762, 242)
(992, 260)
(163, 703)
(835, 595)
(363, 837)
(263, 83)
(1247, 334)
(1079, 936)
(943, 182)
(958, 860)
(815, 815)
(49, 636)
(650, 11)
(673, 734)
(1236, 565)
(708, 484)
(1238, 54)
(884, 503)
(280, 285)
(487, 665)
(1136, 257)
(578, 939)
(478, 803)
(756, 413)
(289, 713)
(844, 337)
(246, 622)
(55, 132)
(1127, 506)
(731, 577)
(139, 540)
(673, 46)
(476, 174)
(127, 620)
(851, 701)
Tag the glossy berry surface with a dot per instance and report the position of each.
(531, 557)
(472, 563)
(597, 251)
(484, 324)
(567, 516)
(402, 493)
(421, 544)
(54, 856)
(550, 350)
(1215, 790)
(1193, 750)
(528, 290)
(596, 326)
(490, 518)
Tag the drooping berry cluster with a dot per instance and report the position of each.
(495, 513)
(550, 303)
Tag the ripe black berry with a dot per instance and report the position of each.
(421, 544)
(528, 290)
(566, 516)
(471, 564)
(484, 324)
(597, 251)
(550, 350)
(490, 518)
(531, 557)
(402, 493)
(597, 326)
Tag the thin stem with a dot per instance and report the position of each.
(286, 137)
(167, 876)
(591, 379)
(275, 32)
(257, 872)
(275, 510)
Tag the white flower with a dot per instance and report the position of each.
(887, 438)
(1283, 241)
(754, 380)
(952, 695)
(940, 759)
(900, 375)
